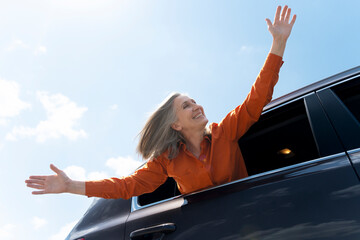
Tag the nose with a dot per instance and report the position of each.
(196, 107)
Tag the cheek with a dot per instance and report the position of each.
(180, 115)
(184, 115)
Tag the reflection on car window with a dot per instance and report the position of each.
(280, 138)
(349, 93)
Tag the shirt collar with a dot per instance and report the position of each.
(182, 144)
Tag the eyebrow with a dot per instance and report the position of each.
(187, 101)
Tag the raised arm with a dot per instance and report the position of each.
(238, 121)
(58, 183)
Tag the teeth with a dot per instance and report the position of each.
(197, 116)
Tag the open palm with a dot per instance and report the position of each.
(49, 184)
(281, 28)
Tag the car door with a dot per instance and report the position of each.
(300, 187)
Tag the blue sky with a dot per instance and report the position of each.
(78, 79)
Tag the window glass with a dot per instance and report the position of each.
(349, 93)
(280, 138)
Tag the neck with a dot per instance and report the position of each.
(193, 142)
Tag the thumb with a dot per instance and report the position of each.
(269, 23)
(56, 170)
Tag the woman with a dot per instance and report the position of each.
(178, 144)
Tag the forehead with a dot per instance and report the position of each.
(179, 100)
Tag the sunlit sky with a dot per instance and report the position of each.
(78, 79)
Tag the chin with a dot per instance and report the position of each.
(205, 122)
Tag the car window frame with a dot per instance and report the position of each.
(340, 116)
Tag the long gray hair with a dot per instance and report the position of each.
(158, 136)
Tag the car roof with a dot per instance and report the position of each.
(313, 87)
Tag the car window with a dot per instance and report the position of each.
(349, 93)
(167, 190)
(280, 138)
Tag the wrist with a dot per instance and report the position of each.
(278, 47)
(69, 186)
(75, 187)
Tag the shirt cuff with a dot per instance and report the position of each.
(273, 62)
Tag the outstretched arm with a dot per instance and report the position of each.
(280, 29)
(144, 180)
(58, 183)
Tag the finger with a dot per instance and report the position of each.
(38, 177)
(38, 192)
(293, 20)
(268, 22)
(277, 14)
(284, 12)
(55, 169)
(35, 181)
(36, 186)
(287, 17)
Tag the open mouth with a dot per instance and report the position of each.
(198, 116)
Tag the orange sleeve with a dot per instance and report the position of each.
(239, 120)
(144, 180)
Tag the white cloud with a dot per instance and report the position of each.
(17, 43)
(79, 173)
(38, 222)
(64, 231)
(114, 107)
(10, 103)
(7, 231)
(40, 50)
(62, 116)
(3, 122)
(123, 166)
(97, 175)
(85, 6)
(76, 173)
(248, 49)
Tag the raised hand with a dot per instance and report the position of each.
(280, 29)
(49, 184)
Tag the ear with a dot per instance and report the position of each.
(176, 127)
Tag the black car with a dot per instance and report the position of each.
(303, 158)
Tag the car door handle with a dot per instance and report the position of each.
(154, 232)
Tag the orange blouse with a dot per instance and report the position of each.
(220, 160)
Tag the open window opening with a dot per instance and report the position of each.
(280, 138)
(166, 190)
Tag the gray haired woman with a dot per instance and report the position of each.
(177, 142)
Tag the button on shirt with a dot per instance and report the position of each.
(220, 159)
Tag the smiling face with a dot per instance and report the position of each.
(190, 115)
